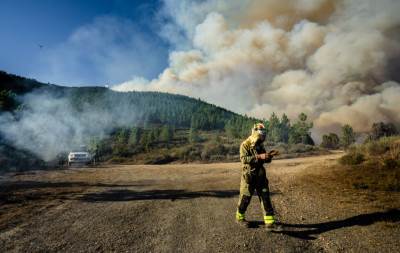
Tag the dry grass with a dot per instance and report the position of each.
(374, 165)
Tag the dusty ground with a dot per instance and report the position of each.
(190, 208)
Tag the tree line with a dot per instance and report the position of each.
(278, 129)
(348, 136)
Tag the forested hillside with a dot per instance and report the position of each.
(145, 107)
(47, 121)
(17, 84)
(96, 115)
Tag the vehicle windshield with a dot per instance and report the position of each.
(80, 155)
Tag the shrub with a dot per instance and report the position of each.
(300, 148)
(360, 185)
(376, 148)
(378, 165)
(117, 160)
(389, 163)
(160, 159)
(330, 141)
(352, 158)
(213, 149)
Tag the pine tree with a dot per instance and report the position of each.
(145, 140)
(348, 136)
(193, 135)
(285, 128)
(166, 134)
(274, 130)
(135, 135)
(330, 141)
(300, 131)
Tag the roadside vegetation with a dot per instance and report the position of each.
(165, 143)
(183, 145)
(375, 164)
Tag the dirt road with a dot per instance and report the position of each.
(190, 208)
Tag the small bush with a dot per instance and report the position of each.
(281, 147)
(213, 149)
(360, 186)
(300, 148)
(216, 158)
(352, 158)
(116, 160)
(160, 159)
(389, 163)
(377, 147)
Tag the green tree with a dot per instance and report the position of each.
(300, 131)
(239, 127)
(348, 136)
(94, 146)
(7, 100)
(274, 129)
(120, 147)
(193, 135)
(122, 136)
(285, 128)
(166, 134)
(330, 141)
(145, 140)
(135, 135)
(153, 135)
(233, 128)
(381, 129)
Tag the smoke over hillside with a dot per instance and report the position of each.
(336, 61)
(50, 123)
(52, 119)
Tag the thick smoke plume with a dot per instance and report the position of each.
(334, 60)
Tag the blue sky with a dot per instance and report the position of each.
(85, 42)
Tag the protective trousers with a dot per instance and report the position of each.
(256, 180)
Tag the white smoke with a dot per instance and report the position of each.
(51, 124)
(329, 59)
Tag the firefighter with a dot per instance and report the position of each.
(253, 156)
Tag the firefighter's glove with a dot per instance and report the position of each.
(263, 156)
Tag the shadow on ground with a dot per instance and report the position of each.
(130, 195)
(28, 184)
(22, 191)
(310, 231)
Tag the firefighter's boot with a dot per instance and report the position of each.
(241, 219)
(270, 223)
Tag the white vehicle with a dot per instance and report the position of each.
(79, 158)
